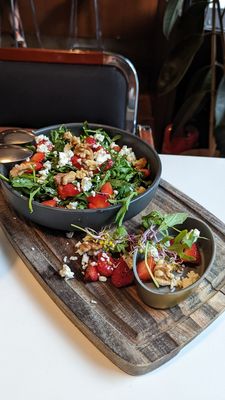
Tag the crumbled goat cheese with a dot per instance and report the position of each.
(99, 137)
(113, 144)
(93, 193)
(43, 148)
(101, 156)
(85, 259)
(102, 278)
(73, 258)
(128, 153)
(64, 158)
(66, 272)
(86, 184)
(69, 235)
(39, 138)
(72, 205)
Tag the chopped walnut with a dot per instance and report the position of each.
(86, 247)
(84, 151)
(140, 190)
(91, 164)
(191, 277)
(18, 170)
(74, 140)
(163, 273)
(81, 173)
(141, 163)
(68, 177)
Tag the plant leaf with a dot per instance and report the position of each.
(193, 17)
(201, 81)
(172, 13)
(178, 62)
(188, 108)
(220, 103)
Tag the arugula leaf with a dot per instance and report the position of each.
(163, 222)
(3, 178)
(31, 197)
(124, 207)
(171, 220)
(19, 182)
(153, 218)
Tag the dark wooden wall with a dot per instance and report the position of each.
(130, 27)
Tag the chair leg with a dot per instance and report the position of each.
(16, 24)
(36, 27)
(73, 26)
(98, 31)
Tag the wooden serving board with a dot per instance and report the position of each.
(135, 337)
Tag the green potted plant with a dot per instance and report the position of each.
(184, 28)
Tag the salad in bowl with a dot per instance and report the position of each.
(80, 168)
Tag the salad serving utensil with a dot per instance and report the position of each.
(10, 139)
(16, 136)
(13, 153)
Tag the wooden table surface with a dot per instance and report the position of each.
(42, 354)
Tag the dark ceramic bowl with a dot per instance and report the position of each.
(62, 219)
(163, 297)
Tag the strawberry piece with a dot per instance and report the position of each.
(90, 140)
(109, 163)
(91, 274)
(107, 189)
(143, 271)
(49, 203)
(122, 275)
(76, 161)
(145, 171)
(38, 157)
(98, 201)
(194, 252)
(117, 148)
(105, 265)
(37, 166)
(68, 190)
(46, 142)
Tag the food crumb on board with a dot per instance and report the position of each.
(32, 248)
(69, 235)
(93, 301)
(66, 272)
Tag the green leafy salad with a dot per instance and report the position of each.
(81, 172)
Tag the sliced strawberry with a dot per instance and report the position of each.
(97, 148)
(37, 166)
(109, 163)
(145, 171)
(105, 265)
(122, 275)
(195, 253)
(68, 190)
(46, 142)
(90, 140)
(98, 201)
(76, 161)
(38, 157)
(117, 148)
(49, 203)
(107, 189)
(143, 271)
(91, 274)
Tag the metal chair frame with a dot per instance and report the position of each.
(85, 57)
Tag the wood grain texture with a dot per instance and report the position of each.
(135, 337)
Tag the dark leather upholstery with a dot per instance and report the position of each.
(41, 94)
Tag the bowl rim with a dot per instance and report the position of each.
(155, 291)
(41, 131)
